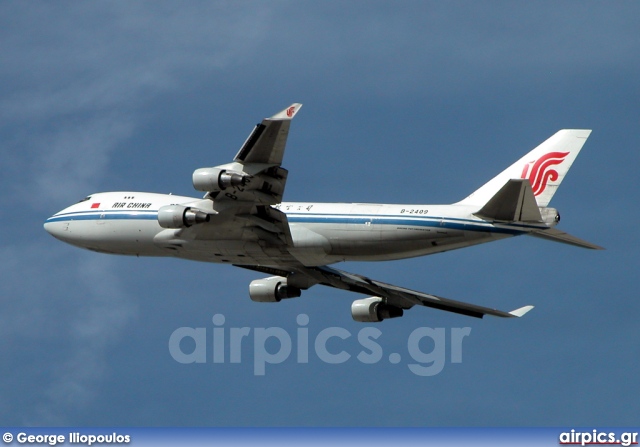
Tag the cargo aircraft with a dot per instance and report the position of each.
(242, 220)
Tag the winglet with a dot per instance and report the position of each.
(288, 113)
(520, 312)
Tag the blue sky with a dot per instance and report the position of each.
(416, 102)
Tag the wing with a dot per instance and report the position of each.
(406, 298)
(267, 141)
(259, 178)
(243, 190)
(392, 295)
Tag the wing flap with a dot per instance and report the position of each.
(251, 142)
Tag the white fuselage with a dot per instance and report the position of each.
(322, 233)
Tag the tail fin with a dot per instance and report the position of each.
(544, 167)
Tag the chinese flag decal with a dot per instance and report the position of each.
(95, 205)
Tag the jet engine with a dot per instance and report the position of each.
(272, 290)
(217, 179)
(373, 310)
(178, 216)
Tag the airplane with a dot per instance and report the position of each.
(242, 220)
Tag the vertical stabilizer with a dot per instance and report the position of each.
(544, 167)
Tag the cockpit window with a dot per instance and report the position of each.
(84, 200)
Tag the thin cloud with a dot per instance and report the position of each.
(73, 93)
(79, 79)
(82, 323)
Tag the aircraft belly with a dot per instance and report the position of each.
(388, 242)
(126, 237)
(225, 240)
(313, 243)
(229, 252)
(309, 247)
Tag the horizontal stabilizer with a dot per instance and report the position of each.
(520, 312)
(556, 235)
(514, 202)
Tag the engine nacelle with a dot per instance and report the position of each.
(550, 216)
(373, 310)
(217, 179)
(272, 290)
(178, 216)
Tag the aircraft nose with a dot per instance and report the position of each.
(57, 228)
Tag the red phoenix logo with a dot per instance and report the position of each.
(541, 172)
(290, 111)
